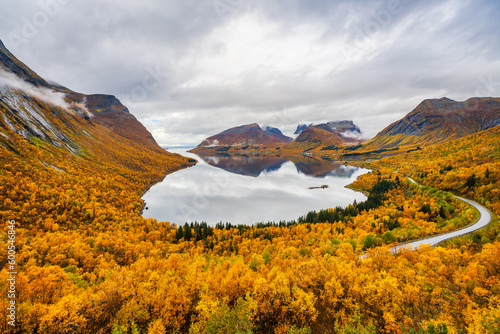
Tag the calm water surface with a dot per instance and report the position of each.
(247, 190)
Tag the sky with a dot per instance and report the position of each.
(188, 69)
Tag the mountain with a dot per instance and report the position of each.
(108, 111)
(26, 98)
(346, 129)
(67, 174)
(243, 137)
(50, 127)
(276, 133)
(331, 134)
(439, 120)
(301, 128)
(11, 64)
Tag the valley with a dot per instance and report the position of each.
(89, 259)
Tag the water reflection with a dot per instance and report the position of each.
(320, 167)
(255, 165)
(246, 190)
(245, 165)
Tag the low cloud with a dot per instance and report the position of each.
(49, 96)
(42, 93)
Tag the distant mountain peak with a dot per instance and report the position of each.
(301, 127)
(336, 133)
(447, 99)
(347, 126)
(245, 135)
(276, 133)
(272, 130)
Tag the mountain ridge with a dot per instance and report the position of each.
(22, 88)
(331, 134)
(253, 137)
(243, 137)
(439, 120)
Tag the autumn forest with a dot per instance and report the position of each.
(85, 260)
(89, 263)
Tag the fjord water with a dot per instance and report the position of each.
(247, 190)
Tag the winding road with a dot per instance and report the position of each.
(484, 219)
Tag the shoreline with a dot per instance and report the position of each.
(167, 172)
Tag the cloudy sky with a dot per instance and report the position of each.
(188, 69)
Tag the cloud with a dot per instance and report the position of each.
(189, 69)
(57, 99)
(44, 94)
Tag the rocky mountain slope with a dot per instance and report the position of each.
(253, 137)
(439, 120)
(50, 126)
(35, 108)
(331, 134)
(301, 128)
(250, 136)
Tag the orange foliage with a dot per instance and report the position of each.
(88, 262)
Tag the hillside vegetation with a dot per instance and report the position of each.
(469, 166)
(88, 263)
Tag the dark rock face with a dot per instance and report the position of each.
(446, 114)
(98, 103)
(413, 125)
(11, 64)
(300, 128)
(334, 127)
(105, 103)
(341, 127)
(276, 133)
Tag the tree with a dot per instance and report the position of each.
(267, 256)
(471, 181)
(370, 241)
(187, 232)
(179, 234)
(388, 237)
(225, 320)
(431, 329)
(355, 326)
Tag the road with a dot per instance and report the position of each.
(484, 219)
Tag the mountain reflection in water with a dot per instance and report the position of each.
(251, 189)
(256, 164)
(245, 165)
